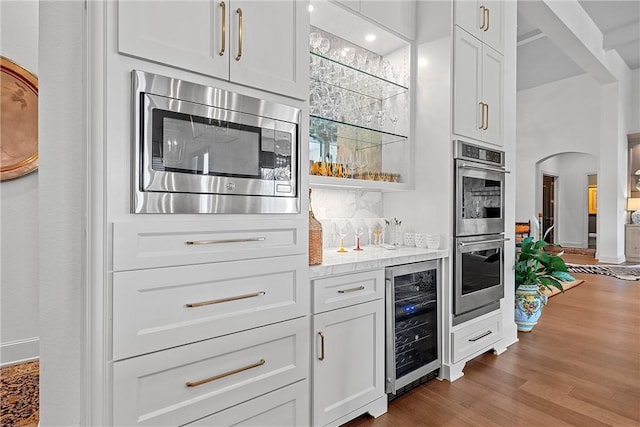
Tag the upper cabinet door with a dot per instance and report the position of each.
(493, 34)
(270, 45)
(467, 78)
(468, 15)
(183, 34)
(399, 16)
(483, 19)
(492, 94)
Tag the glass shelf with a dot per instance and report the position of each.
(323, 130)
(335, 73)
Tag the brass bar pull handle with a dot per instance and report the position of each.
(344, 291)
(224, 28)
(482, 242)
(480, 336)
(239, 12)
(215, 242)
(486, 126)
(488, 18)
(226, 374)
(321, 346)
(482, 119)
(483, 12)
(221, 300)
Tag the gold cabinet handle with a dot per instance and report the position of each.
(226, 374)
(239, 12)
(482, 11)
(215, 242)
(482, 119)
(486, 126)
(321, 346)
(344, 291)
(488, 18)
(224, 27)
(218, 301)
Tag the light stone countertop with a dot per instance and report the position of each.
(370, 258)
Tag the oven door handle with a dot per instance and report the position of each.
(482, 168)
(481, 242)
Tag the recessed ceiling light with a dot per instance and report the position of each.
(370, 37)
(310, 8)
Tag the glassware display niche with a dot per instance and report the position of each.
(359, 109)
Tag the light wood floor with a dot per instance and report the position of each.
(580, 366)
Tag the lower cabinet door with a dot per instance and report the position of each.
(348, 360)
(288, 406)
(183, 384)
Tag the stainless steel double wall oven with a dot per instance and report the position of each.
(479, 230)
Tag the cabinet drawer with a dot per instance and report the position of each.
(288, 406)
(341, 291)
(161, 244)
(184, 384)
(473, 338)
(151, 307)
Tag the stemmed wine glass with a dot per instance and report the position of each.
(383, 223)
(371, 225)
(340, 228)
(357, 223)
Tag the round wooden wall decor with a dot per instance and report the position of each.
(18, 121)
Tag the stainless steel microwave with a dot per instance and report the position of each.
(201, 149)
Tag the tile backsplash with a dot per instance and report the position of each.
(344, 204)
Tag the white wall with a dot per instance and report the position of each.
(19, 208)
(571, 216)
(634, 111)
(555, 118)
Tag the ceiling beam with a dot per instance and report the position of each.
(529, 37)
(621, 36)
(570, 28)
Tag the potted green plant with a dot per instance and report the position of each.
(536, 270)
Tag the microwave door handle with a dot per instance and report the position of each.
(482, 168)
(482, 242)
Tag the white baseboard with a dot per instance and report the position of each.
(20, 351)
(611, 260)
(581, 245)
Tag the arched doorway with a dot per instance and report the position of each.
(562, 196)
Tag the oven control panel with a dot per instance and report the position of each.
(465, 150)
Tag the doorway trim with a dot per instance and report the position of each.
(556, 188)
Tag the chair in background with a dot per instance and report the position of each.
(523, 230)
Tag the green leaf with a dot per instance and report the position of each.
(557, 264)
(527, 244)
(540, 244)
(563, 276)
(550, 282)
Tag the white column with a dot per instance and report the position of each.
(612, 174)
(60, 180)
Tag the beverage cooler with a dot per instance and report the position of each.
(412, 316)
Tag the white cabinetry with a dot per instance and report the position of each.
(183, 384)
(348, 347)
(198, 329)
(258, 44)
(477, 89)
(632, 239)
(399, 16)
(483, 19)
